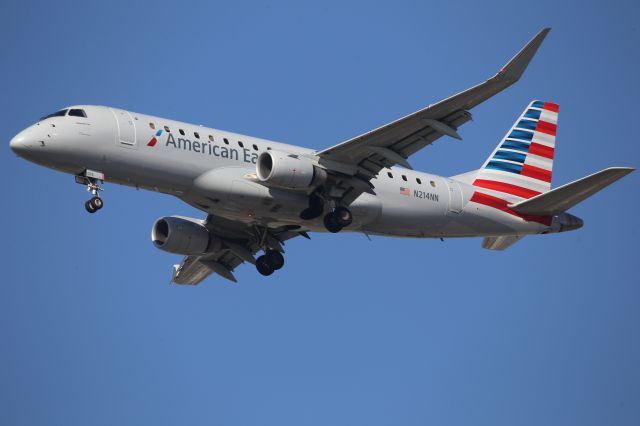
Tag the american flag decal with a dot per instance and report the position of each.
(405, 191)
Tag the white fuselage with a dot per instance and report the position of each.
(214, 171)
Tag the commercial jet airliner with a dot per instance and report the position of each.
(258, 193)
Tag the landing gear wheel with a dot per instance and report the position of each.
(275, 258)
(343, 216)
(94, 204)
(90, 207)
(97, 202)
(331, 223)
(264, 266)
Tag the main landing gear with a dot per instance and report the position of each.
(339, 218)
(270, 261)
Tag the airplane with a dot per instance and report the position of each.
(259, 193)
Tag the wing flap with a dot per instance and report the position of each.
(566, 196)
(500, 243)
(190, 271)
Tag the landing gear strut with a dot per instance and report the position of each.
(339, 218)
(269, 262)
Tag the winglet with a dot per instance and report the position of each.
(513, 70)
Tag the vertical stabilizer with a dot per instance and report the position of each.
(521, 165)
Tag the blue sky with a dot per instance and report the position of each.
(385, 332)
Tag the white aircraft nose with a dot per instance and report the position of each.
(19, 144)
(24, 142)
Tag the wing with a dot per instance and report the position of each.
(240, 243)
(362, 157)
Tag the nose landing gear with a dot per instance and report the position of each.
(95, 203)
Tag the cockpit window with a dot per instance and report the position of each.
(60, 113)
(77, 113)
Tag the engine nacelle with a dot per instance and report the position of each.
(181, 235)
(288, 170)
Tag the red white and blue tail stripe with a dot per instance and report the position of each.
(522, 164)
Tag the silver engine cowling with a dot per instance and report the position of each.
(182, 235)
(288, 170)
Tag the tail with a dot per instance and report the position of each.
(521, 165)
(516, 178)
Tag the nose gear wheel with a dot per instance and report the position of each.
(94, 204)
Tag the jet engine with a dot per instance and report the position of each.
(182, 235)
(288, 170)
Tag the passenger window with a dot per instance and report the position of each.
(196, 134)
(153, 126)
(240, 144)
(404, 178)
(390, 175)
(226, 141)
(433, 184)
(166, 129)
(211, 138)
(77, 113)
(181, 132)
(255, 147)
(419, 181)
(268, 148)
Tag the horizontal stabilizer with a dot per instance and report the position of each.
(566, 196)
(500, 243)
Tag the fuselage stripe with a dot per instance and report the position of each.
(506, 188)
(500, 204)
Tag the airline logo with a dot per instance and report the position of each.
(154, 139)
(521, 166)
(527, 150)
(205, 147)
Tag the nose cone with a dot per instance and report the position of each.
(18, 144)
(25, 142)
